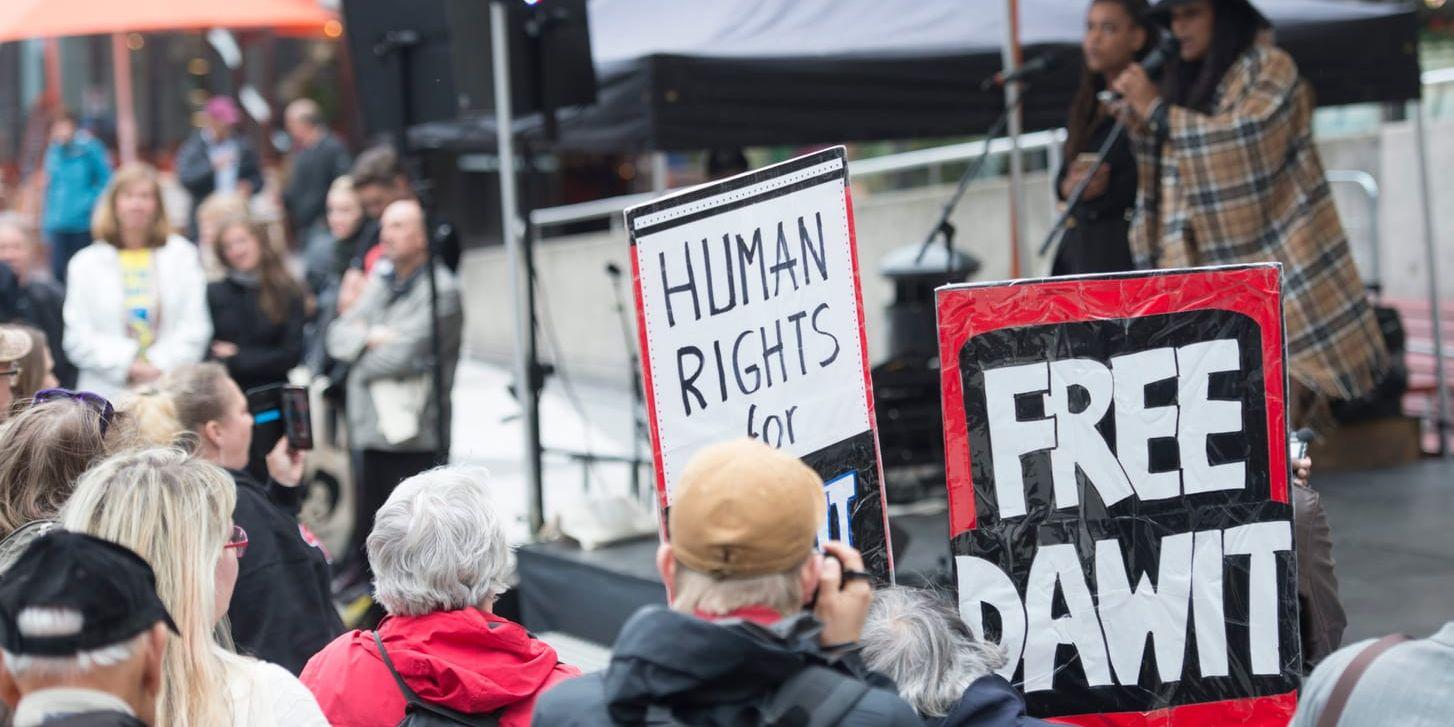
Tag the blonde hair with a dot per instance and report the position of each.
(343, 185)
(43, 450)
(198, 394)
(176, 512)
(222, 206)
(694, 591)
(154, 417)
(105, 226)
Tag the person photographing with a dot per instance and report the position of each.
(1229, 174)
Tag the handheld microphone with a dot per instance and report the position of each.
(1298, 444)
(1033, 67)
(1152, 63)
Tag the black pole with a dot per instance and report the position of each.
(944, 226)
(401, 44)
(633, 365)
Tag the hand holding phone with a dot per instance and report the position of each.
(844, 594)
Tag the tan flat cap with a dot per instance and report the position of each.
(743, 509)
(15, 344)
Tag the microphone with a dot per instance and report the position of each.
(1033, 67)
(1152, 63)
(613, 270)
(1298, 446)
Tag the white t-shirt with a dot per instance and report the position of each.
(267, 695)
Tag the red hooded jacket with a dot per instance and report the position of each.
(467, 660)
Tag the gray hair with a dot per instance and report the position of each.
(438, 544)
(694, 591)
(917, 639)
(64, 621)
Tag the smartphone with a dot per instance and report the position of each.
(279, 410)
(266, 406)
(297, 417)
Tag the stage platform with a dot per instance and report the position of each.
(589, 594)
(1393, 538)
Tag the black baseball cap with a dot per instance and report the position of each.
(112, 588)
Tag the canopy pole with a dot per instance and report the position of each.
(1431, 266)
(525, 391)
(54, 92)
(125, 99)
(660, 170)
(1010, 54)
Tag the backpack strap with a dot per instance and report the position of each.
(814, 697)
(414, 702)
(1343, 688)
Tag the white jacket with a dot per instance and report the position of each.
(96, 338)
(267, 695)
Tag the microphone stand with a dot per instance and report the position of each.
(401, 44)
(1076, 194)
(944, 226)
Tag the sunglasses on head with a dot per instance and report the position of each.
(96, 402)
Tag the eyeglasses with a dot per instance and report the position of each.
(96, 402)
(237, 540)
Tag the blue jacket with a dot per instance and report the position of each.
(989, 701)
(77, 173)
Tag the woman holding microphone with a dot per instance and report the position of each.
(1230, 174)
(1117, 35)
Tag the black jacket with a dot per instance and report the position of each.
(709, 674)
(39, 304)
(989, 701)
(281, 609)
(195, 172)
(266, 351)
(1098, 241)
(314, 170)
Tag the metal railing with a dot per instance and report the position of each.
(860, 169)
(1365, 181)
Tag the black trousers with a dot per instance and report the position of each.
(377, 475)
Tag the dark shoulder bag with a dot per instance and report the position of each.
(1338, 699)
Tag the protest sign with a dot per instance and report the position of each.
(751, 324)
(1117, 467)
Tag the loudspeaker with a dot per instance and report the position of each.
(380, 35)
(550, 55)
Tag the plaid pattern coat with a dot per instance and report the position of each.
(1245, 184)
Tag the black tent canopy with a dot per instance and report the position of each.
(685, 75)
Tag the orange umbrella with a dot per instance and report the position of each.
(22, 19)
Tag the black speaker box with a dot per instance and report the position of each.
(380, 33)
(550, 55)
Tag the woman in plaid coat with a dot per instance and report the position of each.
(1230, 175)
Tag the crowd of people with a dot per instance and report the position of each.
(153, 569)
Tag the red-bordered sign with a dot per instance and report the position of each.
(751, 324)
(1117, 474)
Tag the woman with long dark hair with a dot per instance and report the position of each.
(1117, 34)
(257, 310)
(1229, 174)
